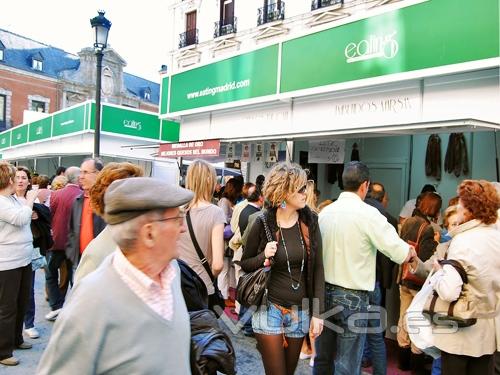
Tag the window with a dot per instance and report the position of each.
(1, 54)
(2, 49)
(38, 106)
(147, 94)
(37, 65)
(3, 112)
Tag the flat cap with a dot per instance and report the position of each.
(131, 197)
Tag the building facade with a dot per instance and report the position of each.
(38, 77)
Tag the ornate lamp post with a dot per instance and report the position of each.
(101, 25)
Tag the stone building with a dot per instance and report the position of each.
(38, 77)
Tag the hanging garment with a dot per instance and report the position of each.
(433, 157)
(456, 159)
(334, 173)
(355, 152)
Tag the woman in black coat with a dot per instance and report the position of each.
(297, 277)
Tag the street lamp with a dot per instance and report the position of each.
(101, 25)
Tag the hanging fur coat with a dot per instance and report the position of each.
(433, 157)
(456, 160)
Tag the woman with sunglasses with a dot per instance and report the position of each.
(297, 276)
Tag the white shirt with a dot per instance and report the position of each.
(352, 231)
(408, 208)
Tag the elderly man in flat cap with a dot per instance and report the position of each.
(129, 316)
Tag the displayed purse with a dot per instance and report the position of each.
(460, 311)
(252, 287)
(216, 301)
(406, 274)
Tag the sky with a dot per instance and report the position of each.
(138, 32)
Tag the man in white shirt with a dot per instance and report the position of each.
(351, 232)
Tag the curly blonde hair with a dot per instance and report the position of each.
(110, 173)
(284, 178)
(481, 199)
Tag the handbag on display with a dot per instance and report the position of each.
(252, 286)
(406, 274)
(216, 301)
(461, 311)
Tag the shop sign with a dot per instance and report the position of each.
(393, 42)
(70, 121)
(133, 123)
(198, 149)
(327, 151)
(19, 135)
(5, 140)
(40, 129)
(246, 76)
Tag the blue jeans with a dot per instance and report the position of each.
(247, 326)
(29, 317)
(375, 344)
(341, 343)
(274, 320)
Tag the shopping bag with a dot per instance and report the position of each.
(420, 329)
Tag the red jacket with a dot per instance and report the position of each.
(61, 202)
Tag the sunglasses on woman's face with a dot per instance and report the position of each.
(302, 190)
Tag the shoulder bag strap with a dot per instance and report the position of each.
(204, 261)
(421, 230)
(266, 227)
(458, 266)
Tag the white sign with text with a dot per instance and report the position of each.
(332, 151)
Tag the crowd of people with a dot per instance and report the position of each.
(112, 243)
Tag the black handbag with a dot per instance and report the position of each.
(216, 301)
(252, 287)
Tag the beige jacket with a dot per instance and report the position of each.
(477, 247)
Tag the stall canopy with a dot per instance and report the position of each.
(70, 132)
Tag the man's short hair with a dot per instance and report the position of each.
(355, 173)
(376, 191)
(255, 195)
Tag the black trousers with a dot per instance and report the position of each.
(56, 296)
(453, 364)
(14, 299)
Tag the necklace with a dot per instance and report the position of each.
(294, 286)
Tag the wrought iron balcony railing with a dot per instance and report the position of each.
(316, 4)
(225, 27)
(188, 38)
(271, 12)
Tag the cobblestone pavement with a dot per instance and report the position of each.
(247, 357)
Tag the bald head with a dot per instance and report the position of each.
(376, 191)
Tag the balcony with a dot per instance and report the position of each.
(270, 13)
(225, 27)
(188, 38)
(316, 4)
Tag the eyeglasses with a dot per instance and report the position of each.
(87, 172)
(180, 218)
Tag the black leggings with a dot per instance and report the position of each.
(278, 359)
(453, 364)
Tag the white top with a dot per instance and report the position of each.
(352, 231)
(408, 208)
(16, 240)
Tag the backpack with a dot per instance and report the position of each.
(211, 348)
